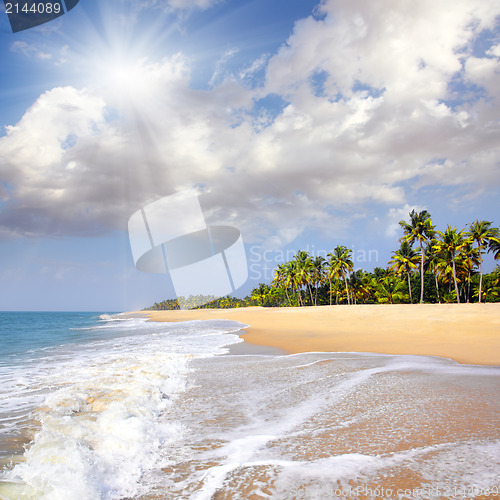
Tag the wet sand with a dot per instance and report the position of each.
(467, 333)
(327, 425)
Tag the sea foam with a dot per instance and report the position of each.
(155, 410)
(101, 409)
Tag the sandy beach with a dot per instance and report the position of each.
(155, 410)
(467, 333)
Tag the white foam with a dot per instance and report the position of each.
(264, 412)
(118, 411)
(103, 408)
(103, 427)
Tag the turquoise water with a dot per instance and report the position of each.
(84, 399)
(23, 333)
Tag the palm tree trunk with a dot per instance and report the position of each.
(421, 274)
(409, 288)
(310, 293)
(480, 278)
(455, 279)
(330, 279)
(437, 288)
(287, 296)
(347, 291)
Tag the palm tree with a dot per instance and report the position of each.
(331, 273)
(260, 294)
(450, 244)
(293, 279)
(469, 257)
(481, 232)
(494, 246)
(340, 263)
(318, 275)
(360, 286)
(281, 280)
(364, 286)
(404, 261)
(388, 289)
(420, 229)
(436, 263)
(492, 288)
(305, 270)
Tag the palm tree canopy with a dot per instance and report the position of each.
(419, 229)
(494, 242)
(481, 231)
(405, 259)
(452, 241)
(494, 246)
(340, 261)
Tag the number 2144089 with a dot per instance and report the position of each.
(33, 8)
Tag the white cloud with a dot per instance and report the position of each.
(394, 215)
(58, 55)
(485, 72)
(29, 50)
(218, 74)
(257, 65)
(382, 121)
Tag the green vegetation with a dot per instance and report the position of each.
(446, 266)
(198, 302)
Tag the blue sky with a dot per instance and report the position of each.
(304, 124)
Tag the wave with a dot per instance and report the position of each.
(100, 410)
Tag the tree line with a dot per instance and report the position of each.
(429, 266)
(200, 302)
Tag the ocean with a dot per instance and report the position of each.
(99, 406)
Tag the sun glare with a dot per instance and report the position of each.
(123, 79)
(115, 56)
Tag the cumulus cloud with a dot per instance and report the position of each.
(373, 96)
(38, 175)
(395, 215)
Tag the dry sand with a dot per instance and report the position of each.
(467, 333)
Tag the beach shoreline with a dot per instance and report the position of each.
(229, 418)
(466, 333)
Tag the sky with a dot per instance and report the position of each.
(302, 123)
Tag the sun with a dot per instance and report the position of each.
(117, 57)
(122, 79)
